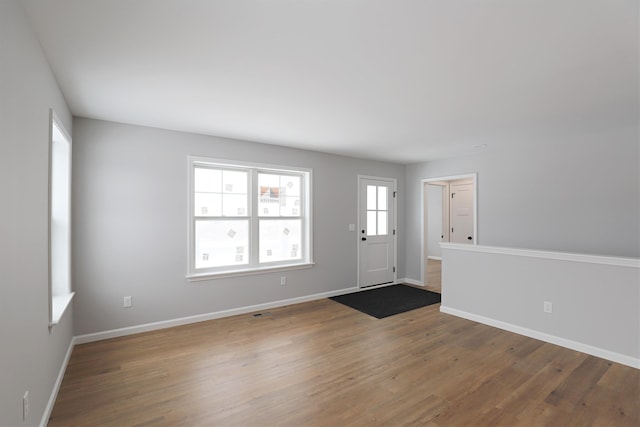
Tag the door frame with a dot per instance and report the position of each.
(423, 223)
(394, 183)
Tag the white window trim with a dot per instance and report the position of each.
(247, 272)
(58, 303)
(194, 276)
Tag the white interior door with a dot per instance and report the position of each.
(461, 212)
(376, 232)
(436, 197)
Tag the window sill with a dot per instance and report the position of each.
(254, 271)
(59, 304)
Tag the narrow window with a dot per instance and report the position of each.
(60, 294)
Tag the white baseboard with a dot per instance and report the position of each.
(573, 345)
(114, 333)
(411, 281)
(56, 387)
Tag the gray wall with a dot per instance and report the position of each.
(514, 299)
(568, 193)
(130, 225)
(30, 356)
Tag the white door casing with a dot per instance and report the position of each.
(447, 181)
(376, 231)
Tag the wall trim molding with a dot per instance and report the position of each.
(534, 253)
(531, 333)
(114, 333)
(56, 386)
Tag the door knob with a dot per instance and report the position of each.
(469, 238)
(364, 238)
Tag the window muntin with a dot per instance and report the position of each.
(248, 217)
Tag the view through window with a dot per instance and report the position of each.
(248, 217)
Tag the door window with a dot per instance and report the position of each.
(377, 210)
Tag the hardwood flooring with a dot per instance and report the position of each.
(434, 275)
(323, 364)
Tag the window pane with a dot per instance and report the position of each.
(382, 223)
(371, 223)
(235, 181)
(268, 202)
(290, 206)
(268, 194)
(280, 240)
(382, 198)
(60, 249)
(371, 197)
(290, 185)
(269, 180)
(234, 205)
(279, 195)
(221, 243)
(208, 204)
(207, 180)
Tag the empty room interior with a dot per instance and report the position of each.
(192, 191)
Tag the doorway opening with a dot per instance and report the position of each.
(449, 215)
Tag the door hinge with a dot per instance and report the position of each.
(452, 229)
(394, 194)
(394, 269)
(453, 194)
(394, 232)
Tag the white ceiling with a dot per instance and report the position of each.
(394, 80)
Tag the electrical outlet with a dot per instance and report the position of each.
(283, 280)
(548, 307)
(25, 405)
(127, 302)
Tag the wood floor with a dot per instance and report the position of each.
(323, 364)
(434, 275)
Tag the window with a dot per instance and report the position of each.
(377, 210)
(60, 294)
(247, 217)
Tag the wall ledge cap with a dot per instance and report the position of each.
(534, 253)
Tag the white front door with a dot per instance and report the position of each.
(376, 232)
(461, 212)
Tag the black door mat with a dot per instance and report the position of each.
(389, 300)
